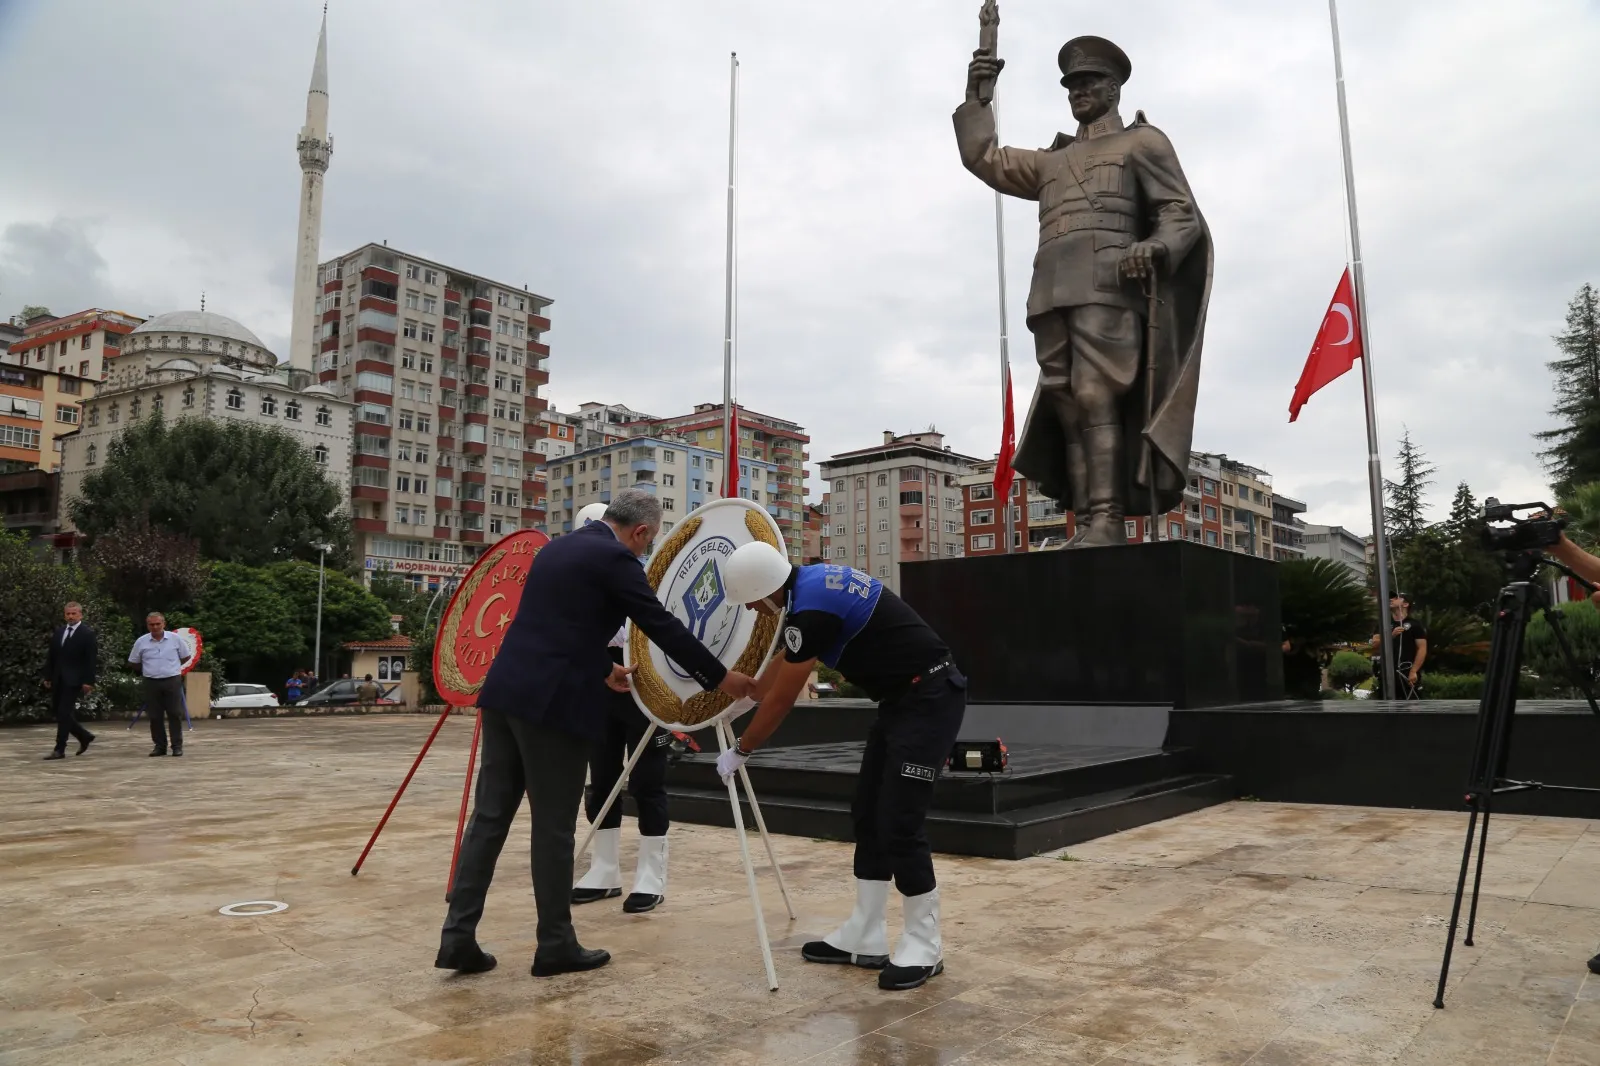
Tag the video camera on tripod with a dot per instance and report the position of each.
(1521, 541)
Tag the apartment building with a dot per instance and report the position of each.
(80, 345)
(1288, 530)
(899, 501)
(1340, 545)
(37, 408)
(812, 548)
(444, 367)
(560, 437)
(682, 476)
(985, 522)
(607, 423)
(765, 441)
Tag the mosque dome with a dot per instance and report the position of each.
(318, 390)
(218, 335)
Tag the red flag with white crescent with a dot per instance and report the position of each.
(1337, 347)
(1003, 474)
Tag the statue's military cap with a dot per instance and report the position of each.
(1094, 55)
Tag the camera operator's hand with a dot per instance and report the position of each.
(1581, 562)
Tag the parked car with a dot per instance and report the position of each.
(343, 694)
(244, 697)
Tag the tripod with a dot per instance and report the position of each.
(1492, 749)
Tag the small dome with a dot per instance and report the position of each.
(205, 323)
(318, 390)
(219, 371)
(187, 366)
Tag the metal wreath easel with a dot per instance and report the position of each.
(725, 741)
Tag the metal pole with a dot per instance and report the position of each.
(726, 731)
(322, 560)
(749, 871)
(1005, 339)
(731, 475)
(1380, 541)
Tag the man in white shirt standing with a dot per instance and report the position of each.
(160, 657)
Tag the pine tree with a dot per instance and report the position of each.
(1573, 452)
(1407, 498)
(1464, 510)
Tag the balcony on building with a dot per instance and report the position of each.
(371, 525)
(639, 465)
(538, 323)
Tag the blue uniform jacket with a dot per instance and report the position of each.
(552, 665)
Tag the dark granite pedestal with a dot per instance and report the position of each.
(1173, 623)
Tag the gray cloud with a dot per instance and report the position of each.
(580, 149)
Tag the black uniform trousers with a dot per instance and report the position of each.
(547, 765)
(907, 747)
(163, 705)
(647, 783)
(64, 698)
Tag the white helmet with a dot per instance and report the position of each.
(591, 512)
(753, 572)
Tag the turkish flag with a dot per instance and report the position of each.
(1337, 347)
(1003, 474)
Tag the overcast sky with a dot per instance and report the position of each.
(580, 148)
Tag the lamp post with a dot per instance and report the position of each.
(322, 560)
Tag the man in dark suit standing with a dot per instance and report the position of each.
(69, 673)
(542, 706)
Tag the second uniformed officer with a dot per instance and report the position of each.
(848, 620)
(624, 729)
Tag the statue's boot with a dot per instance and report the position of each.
(1101, 444)
(1078, 481)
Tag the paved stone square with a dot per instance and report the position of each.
(1257, 933)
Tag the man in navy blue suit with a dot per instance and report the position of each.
(542, 706)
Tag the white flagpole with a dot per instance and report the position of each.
(1380, 541)
(728, 428)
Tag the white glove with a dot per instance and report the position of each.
(729, 763)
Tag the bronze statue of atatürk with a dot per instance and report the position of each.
(1118, 301)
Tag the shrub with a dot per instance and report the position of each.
(1349, 669)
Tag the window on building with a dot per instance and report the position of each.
(983, 542)
(980, 492)
(412, 270)
(861, 551)
(324, 417)
(1208, 487)
(883, 525)
(1211, 537)
(375, 412)
(235, 401)
(291, 410)
(404, 420)
(883, 479)
(320, 454)
(91, 455)
(83, 369)
(134, 406)
(68, 413)
(838, 486)
(413, 297)
(410, 329)
(1211, 513)
(408, 359)
(983, 518)
(430, 305)
(269, 404)
(883, 547)
(427, 333)
(431, 277)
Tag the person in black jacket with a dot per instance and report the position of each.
(69, 674)
(541, 709)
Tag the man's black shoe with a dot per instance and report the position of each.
(54, 755)
(904, 978)
(594, 895)
(157, 751)
(83, 745)
(472, 960)
(640, 902)
(579, 961)
(177, 751)
(822, 951)
(1594, 964)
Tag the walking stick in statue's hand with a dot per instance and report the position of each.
(988, 34)
(1151, 330)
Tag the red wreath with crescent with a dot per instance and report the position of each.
(480, 612)
(194, 640)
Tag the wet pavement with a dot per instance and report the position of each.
(1267, 934)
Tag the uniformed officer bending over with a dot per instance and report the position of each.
(623, 730)
(849, 621)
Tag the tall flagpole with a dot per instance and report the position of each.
(1005, 340)
(1380, 541)
(730, 476)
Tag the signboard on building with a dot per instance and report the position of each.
(416, 566)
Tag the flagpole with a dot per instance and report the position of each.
(731, 475)
(1005, 339)
(1380, 540)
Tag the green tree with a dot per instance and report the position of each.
(32, 311)
(145, 568)
(33, 592)
(1573, 453)
(1323, 607)
(349, 611)
(1348, 669)
(1580, 621)
(1582, 505)
(246, 493)
(1407, 499)
(248, 623)
(421, 660)
(402, 598)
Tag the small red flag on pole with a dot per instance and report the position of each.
(1337, 347)
(731, 452)
(1003, 473)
